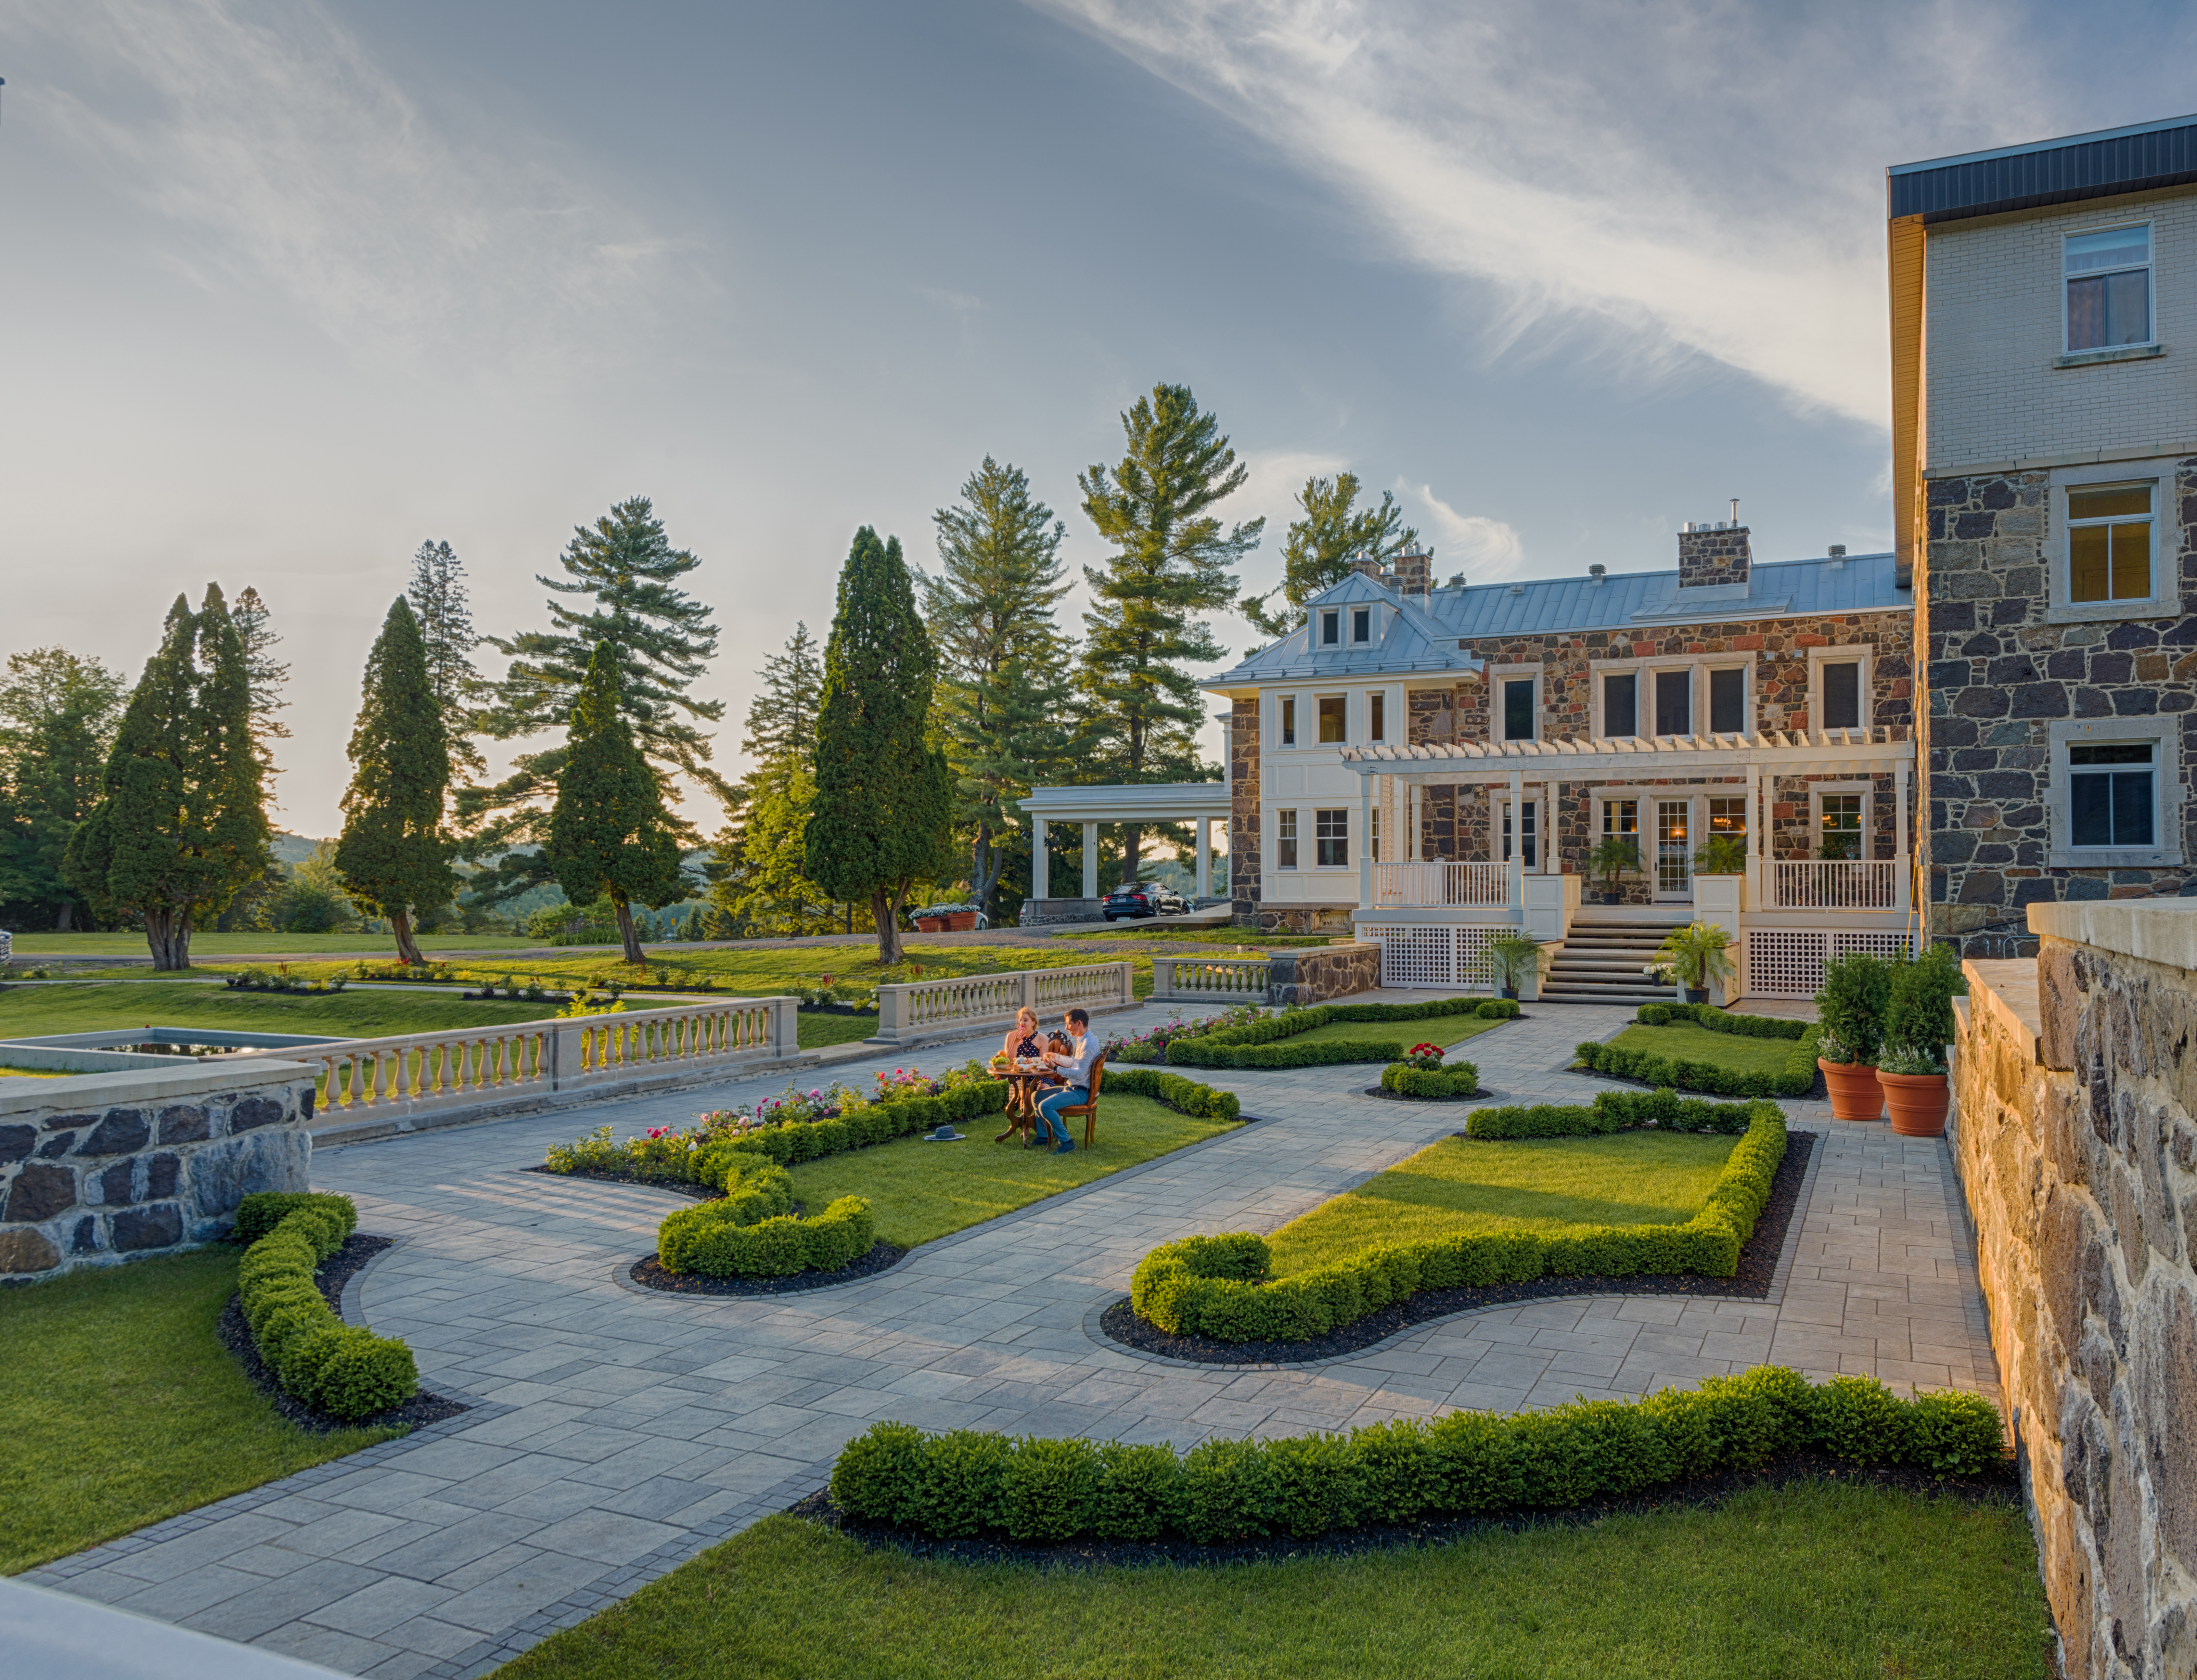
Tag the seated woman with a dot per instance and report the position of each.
(1072, 1066)
(1022, 1043)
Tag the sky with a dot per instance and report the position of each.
(289, 288)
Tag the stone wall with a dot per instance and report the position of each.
(1719, 555)
(1314, 976)
(1999, 675)
(2075, 1141)
(1245, 851)
(112, 1166)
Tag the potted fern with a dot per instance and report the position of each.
(1695, 954)
(1918, 1025)
(1515, 958)
(1722, 855)
(1856, 993)
(1613, 858)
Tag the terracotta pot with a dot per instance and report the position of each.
(1917, 1102)
(1855, 1093)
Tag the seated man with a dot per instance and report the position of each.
(1073, 1066)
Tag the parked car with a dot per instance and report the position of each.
(1145, 898)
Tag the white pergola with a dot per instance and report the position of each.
(1197, 803)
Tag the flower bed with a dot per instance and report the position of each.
(1260, 1043)
(1220, 1287)
(1151, 1044)
(270, 980)
(969, 1481)
(343, 1370)
(1797, 1077)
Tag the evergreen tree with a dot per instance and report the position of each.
(267, 675)
(1170, 562)
(782, 718)
(609, 834)
(58, 713)
(1005, 700)
(393, 854)
(181, 824)
(440, 602)
(1321, 546)
(770, 893)
(882, 819)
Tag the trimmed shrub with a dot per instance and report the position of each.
(1722, 1021)
(1201, 1102)
(749, 1233)
(1258, 1044)
(346, 1371)
(1458, 1079)
(259, 1213)
(968, 1482)
(1498, 1009)
(1797, 1077)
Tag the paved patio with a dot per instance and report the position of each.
(623, 1431)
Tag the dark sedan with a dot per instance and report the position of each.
(1146, 898)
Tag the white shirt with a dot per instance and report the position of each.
(1076, 1071)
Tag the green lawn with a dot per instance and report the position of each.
(1531, 1184)
(31, 1073)
(1826, 1581)
(30, 1010)
(919, 1191)
(1442, 1029)
(124, 1407)
(818, 1031)
(248, 944)
(1689, 1043)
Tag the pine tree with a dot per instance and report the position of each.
(609, 834)
(883, 814)
(181, 824)
(58, 713)
(1170, 562)
(782, 718)
(1322, 545)
(394, 854)
(1004, 699)
(440, 602)
(254, 628)
(755, 878)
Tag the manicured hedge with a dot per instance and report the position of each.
(969, 1482)
(343, 1370)
(1613, 1111)
(1258, 1044)
(1219, 1287)
(1498, 1009)
(1457, 1078)
(1185, 1096)
(1797, 1077)
(806, 1140)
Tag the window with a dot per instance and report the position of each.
(1289, 720)
(1373, 839)
(2108, 288)
(1529, 827)
(1842, 829)
(1728, 701)
(1331, 833)
(1518, 709)
(1331, 628)
(2110, 798)
(1620, 705)
(1377, 718)
(2109, 543)
(1332, 709)
(1728, 816)
(1285, 839)
(1839, 694)
(1361, 623)
(1620, 818)
(1674, 703)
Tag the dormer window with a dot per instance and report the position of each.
(1361, 624)
(1331, 628)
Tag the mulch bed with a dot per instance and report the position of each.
(1699, 1492)
(1757, 1265)
(335, 1272)
(648, 1274)
(1485, 1094)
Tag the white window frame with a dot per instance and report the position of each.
(1645, 695)
(1320, 619)
(2164, 600)
(1348, 860)
(1745, 667)
(1859, 653)
(1599, 668)
(1290, 741)
(2165, 733)
(1372, 633)
(1319, 700)
(1495, 676)
(2150, 266)
(1296, 836)
(1867, 789)
(1371, 695)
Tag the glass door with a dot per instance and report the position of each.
(1530, 827)
(1674, 857)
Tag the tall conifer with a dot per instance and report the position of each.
(1320, 547)
(609, 834)
(883, 814)
(439, 601)
(394, 854)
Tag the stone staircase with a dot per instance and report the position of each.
(1600, 963)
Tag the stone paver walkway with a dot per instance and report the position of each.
(625, 1430)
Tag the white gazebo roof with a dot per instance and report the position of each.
(1578, 758)
(1134, 801)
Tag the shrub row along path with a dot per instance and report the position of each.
(624, 1430)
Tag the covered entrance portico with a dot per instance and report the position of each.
(1200, 804)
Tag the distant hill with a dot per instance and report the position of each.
(293, 848)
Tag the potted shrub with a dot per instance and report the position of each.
(1696, 955)
(1613, 858)
(1918, 1025)
(1857, 992)
(1722, 855)
(1513, 959)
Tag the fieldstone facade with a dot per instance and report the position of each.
(110, 1166)
(1998, 674)
(1307, 978)
(1708, 556)
(1244, 848)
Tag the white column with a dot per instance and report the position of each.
(1757, 823)
(1905, 866)
(1204, 856)
(1364, 842)
(1091, 860)
(1546, 821)
(1414, 795)
(1040, 862)
(1516, 888)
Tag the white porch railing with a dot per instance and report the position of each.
(1478, 886)
(925, 1007)
(1244, 979)
(1871, 884)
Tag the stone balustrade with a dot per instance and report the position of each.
(1221, 980)
(927, 1009)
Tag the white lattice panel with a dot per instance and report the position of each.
(1889, 945)
(1785, 963)
(1472, 966)
(1415, 956)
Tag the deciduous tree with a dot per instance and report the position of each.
(394, 853)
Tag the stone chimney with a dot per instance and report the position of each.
(1371, 569)
(1415, 571)
(1713, 553)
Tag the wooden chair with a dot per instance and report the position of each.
(1089, 1111)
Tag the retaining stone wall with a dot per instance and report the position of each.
(1308, 977)
(2082, 1176)
(113, 1166)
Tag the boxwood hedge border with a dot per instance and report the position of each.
(1262, 1044)
(1797, 1077)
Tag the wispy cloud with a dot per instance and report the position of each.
(286, 161)
(1486, 550)
(1678, 181)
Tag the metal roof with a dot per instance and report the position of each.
(1427, 629)
(2130, 159)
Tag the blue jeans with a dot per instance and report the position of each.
(1069, 1097)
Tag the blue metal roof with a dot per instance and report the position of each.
(1427, 630)
(2132, 160)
